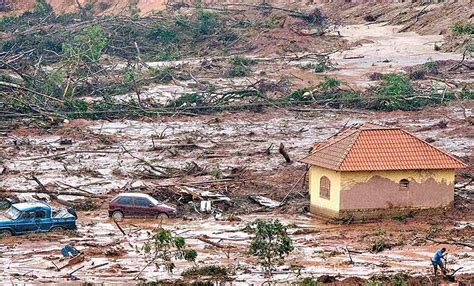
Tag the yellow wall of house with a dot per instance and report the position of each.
(381, 189)
(348, 179)
(371, 190)
(322, 205)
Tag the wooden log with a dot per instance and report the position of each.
(284, 154)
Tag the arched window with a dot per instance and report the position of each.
(324, 187)
(404, 184)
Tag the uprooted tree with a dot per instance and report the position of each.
(271, 243)
(164, 247)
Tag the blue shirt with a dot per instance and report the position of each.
(437, 257)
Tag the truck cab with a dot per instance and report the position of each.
(35, 217)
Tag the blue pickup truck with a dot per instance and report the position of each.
(35, 217)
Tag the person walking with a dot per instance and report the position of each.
(436, 261)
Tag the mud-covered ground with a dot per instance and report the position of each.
(106, 157)
(83, 163)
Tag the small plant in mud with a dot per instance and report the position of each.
(271, 243)
(187, 100)
(431, 66)
(208, 270)
(240, 66)
(216, 173)
(329, 84)
(432, 231)
(163, 75)
(380, 245)
(42, 8)
(309, 281)
(271, 23)
(374, 282)
(399, 279)
(319, 67)
(463, 28)
(164, 247)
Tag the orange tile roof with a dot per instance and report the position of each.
(378, 148)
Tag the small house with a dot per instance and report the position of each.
(370, 170)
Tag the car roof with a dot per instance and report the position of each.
(135, 195)
(30, 205)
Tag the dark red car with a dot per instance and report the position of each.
(138, 205)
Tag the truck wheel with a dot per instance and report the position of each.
(162, 216)
(117, 215)
(57, 228)
(5, 233)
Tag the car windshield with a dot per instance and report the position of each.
(153, 200)
(13, 213)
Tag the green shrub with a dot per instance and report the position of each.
(6, 21)
(432, 231)
(188, 99)
(318, 67)
(241, 23)
(399, 279)
(208, 270)
(309, 281)
(463, 28)
(373, 282)
(164, 75)
(271, 243)
(380, 245)
(271, 23)
(431, 66)
(169, 54)
(207, 22)
(42, 8)
(163, 34)
(241, 66)
(87, 46)
(394, 93)
(329, 83)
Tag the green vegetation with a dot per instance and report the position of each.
(5, 22)
(431, 66)
(270, 243)
(329, 84)
(373, 282)
(319, 67)
(87, 46)
(433, 231)
(65, 58)
(163, 75)
(240, 66)
(310, 281)
(208, 270)
(463, 28)
(164, 247)
(380, 245)
(42, 8)
(271, 23)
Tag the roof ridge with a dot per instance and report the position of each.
(330, 144)
(349, 149)
(338, 140)
(434, 147)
